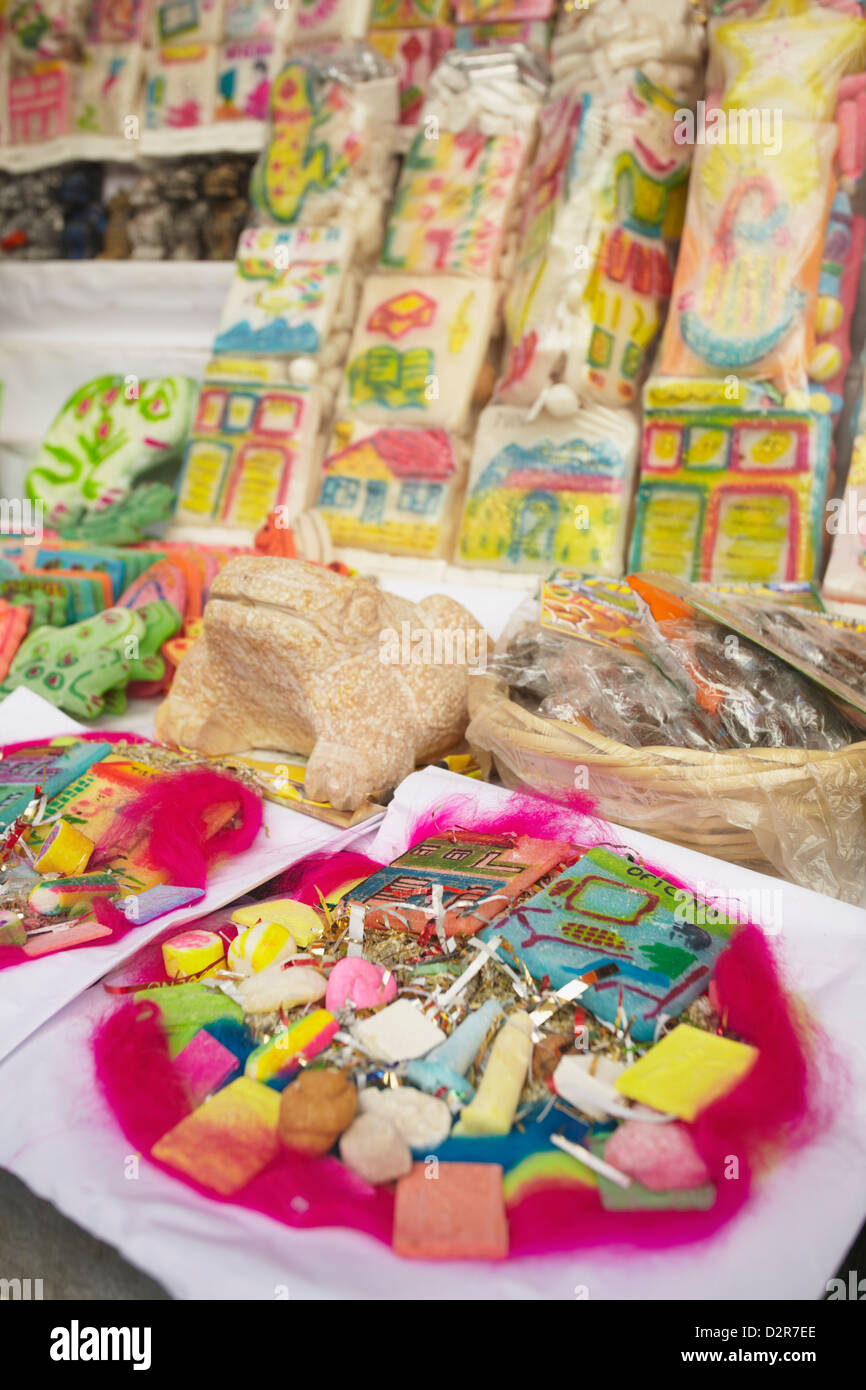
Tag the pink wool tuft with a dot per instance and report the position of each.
(320, 873)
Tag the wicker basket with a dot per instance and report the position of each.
(791, 811)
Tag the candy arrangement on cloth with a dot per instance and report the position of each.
(584, 1062)
(737, 438)
(726, 722)
(98, 837)
(295, 657)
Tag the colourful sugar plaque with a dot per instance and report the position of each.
(118, 21)
(105, 439)
(569, 605)
(186, 1008)
(245, 71)
(181, 86)
(317, 21)
(408, 14)
(52, 766)
(187, 21)
(286, 289)
(38, 104)
(547, 492)
(317, 135)
(61, 938)
(418, 348)
(392, 489)
(414, 53)
(228, 1140)
(453, 203)
(107, 88)
(686, 1071)
(732, 484)
(250, 451)
(467, 867)
(459, 1215)
(253, 19)
(608, 911)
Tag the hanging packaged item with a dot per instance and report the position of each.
(326, 159)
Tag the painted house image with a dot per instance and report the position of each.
(547, 501)
(729, 491)
(249, 452)
(391, 489)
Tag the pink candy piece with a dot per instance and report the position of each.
(61, 938)
(354, 980)
(661, 1157)
(205, 1064)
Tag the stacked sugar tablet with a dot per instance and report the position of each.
(420, 359)
(555, 453)
(737, 439)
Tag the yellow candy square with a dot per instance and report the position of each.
(302, 921)
(686, 1071)
(228, 1140)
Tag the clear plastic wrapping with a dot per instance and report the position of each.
(796, 809)
(759, 701)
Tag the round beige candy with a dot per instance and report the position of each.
(373, 1149)
(315, 1110)
(423, 1121)
(278, 988)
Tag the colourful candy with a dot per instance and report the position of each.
(686, 1071)
(191, 954)
(65, 851)
(495, 1104)
(303, 1039)
(268, 943)
(228, 1140)
(205, 1064)
(459, 1216)
(58, 895)
(447, 1064)
(302, 921)
(361, 983)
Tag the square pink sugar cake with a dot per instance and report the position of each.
(453, 1212)
(204, 1065)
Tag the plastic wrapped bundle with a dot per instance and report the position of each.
(418, 366)
(738, 425)
(759, 700)
(565, 718)
(594, 45)
(553, 466)
(846, 521)
(625, 697)
(327, 160)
